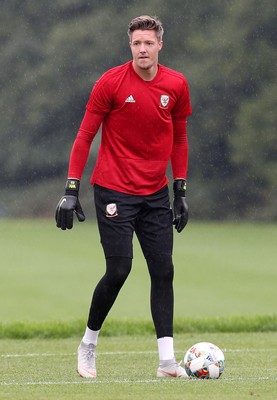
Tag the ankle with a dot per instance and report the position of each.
(167, 363)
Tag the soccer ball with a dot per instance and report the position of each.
(204, 360)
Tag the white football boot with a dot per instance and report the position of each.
(86, 360)
(172, 370)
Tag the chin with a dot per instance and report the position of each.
(145, 67)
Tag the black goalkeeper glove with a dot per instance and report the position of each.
(68, 204)
(180, 206)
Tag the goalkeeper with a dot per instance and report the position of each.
(142, 107)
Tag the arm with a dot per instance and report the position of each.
(81, 146)
(69, 203)
(179, 155)
(179, 163)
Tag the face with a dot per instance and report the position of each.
(145, 48)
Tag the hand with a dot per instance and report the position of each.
(64, 212)
(68, 205)
(180, 206)
(180, 210)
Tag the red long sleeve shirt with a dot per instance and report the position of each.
(143, 127)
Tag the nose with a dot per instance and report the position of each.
(142, 48)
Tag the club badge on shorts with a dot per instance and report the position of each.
(164, 100)
(111, 210)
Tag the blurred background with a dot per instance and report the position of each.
(52, 53)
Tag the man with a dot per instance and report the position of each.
(142, 107)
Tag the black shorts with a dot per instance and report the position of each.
(119, 215)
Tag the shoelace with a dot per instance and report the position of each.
(90, 353)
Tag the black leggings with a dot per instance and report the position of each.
(161, 273)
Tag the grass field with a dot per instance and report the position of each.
(225, 292)
(45, 369)
(220, 269)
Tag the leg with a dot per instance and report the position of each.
(155, 233)
(161, 274)
(106, 291)
(116, 232)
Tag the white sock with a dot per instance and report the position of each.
(165, 347)
(91, 336)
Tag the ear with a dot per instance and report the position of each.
(161, 45)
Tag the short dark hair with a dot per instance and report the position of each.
(145, 22)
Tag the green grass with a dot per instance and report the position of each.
(45, 369)
(132, 327)
(225, 292)
(220, 270)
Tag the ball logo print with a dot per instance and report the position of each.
(204, 360)
(111, 210)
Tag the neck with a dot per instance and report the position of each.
(146, 74)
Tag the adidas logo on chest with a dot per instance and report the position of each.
(130, 99)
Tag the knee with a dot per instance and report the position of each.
(160, 267)
(118, 269)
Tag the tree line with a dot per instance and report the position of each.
(53, 52)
